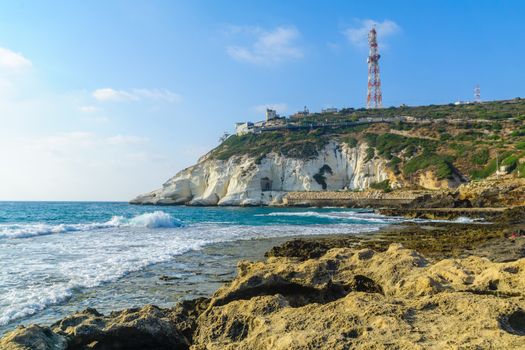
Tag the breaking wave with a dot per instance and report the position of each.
(157, 219)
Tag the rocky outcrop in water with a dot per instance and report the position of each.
(345, 299)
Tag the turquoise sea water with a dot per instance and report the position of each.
(59, 257)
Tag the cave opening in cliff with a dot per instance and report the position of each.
(266, 184)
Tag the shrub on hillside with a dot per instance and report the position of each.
(481, 157)
(441, 165)
(383, 186)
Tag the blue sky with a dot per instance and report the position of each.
(102, 100)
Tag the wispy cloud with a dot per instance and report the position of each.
(109, 94)
(113, 95)
(279, 107)
(100, 162)
(266, 47)
(13, 60)
(358, 34)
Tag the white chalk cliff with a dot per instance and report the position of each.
(244, 180)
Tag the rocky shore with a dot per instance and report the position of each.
(411, 286)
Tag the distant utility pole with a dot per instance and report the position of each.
(477, 94)
(374, 98)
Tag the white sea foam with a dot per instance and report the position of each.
(38, 273)
(369, 217)
(157, 219)
(351, 216)
(465, 220)
(59, 266)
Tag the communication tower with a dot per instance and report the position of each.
(477, 94)
(374, 98)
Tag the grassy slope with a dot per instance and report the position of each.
(485, 132)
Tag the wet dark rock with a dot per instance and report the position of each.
(364, 284)
(33, 337)
(168, 278)
(515, 322)
(300, 248)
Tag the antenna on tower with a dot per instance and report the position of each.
(374, 98)
(477, 94)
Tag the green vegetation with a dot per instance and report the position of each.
(394, 164)
(463, 140)
(460, 149)
(520, 132)
(383, 186)
(350, 141)
(488, 111)
(297, 144)
(511, 162)
(488, 170)
(442, 165)
(388, 145)
(507, 160)
(481, 157)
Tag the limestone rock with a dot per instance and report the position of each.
(344, 299)
(361, 299)
(243, 180)
(494, 192)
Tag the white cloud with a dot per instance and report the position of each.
(97, 164)
(269, 47)
(13, 60)
(109, 94)
(126, 140)
(279, 107)
(358, 35)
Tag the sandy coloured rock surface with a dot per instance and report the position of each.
(348, 298)
(367, 300)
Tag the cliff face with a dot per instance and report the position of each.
(243, 180)
(431, 147)
(246, 180)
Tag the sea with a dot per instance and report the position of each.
(57, 258)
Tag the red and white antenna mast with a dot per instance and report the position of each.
(374, 98)
(477, 94)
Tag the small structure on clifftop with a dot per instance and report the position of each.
(243, 128)
(271, 114)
